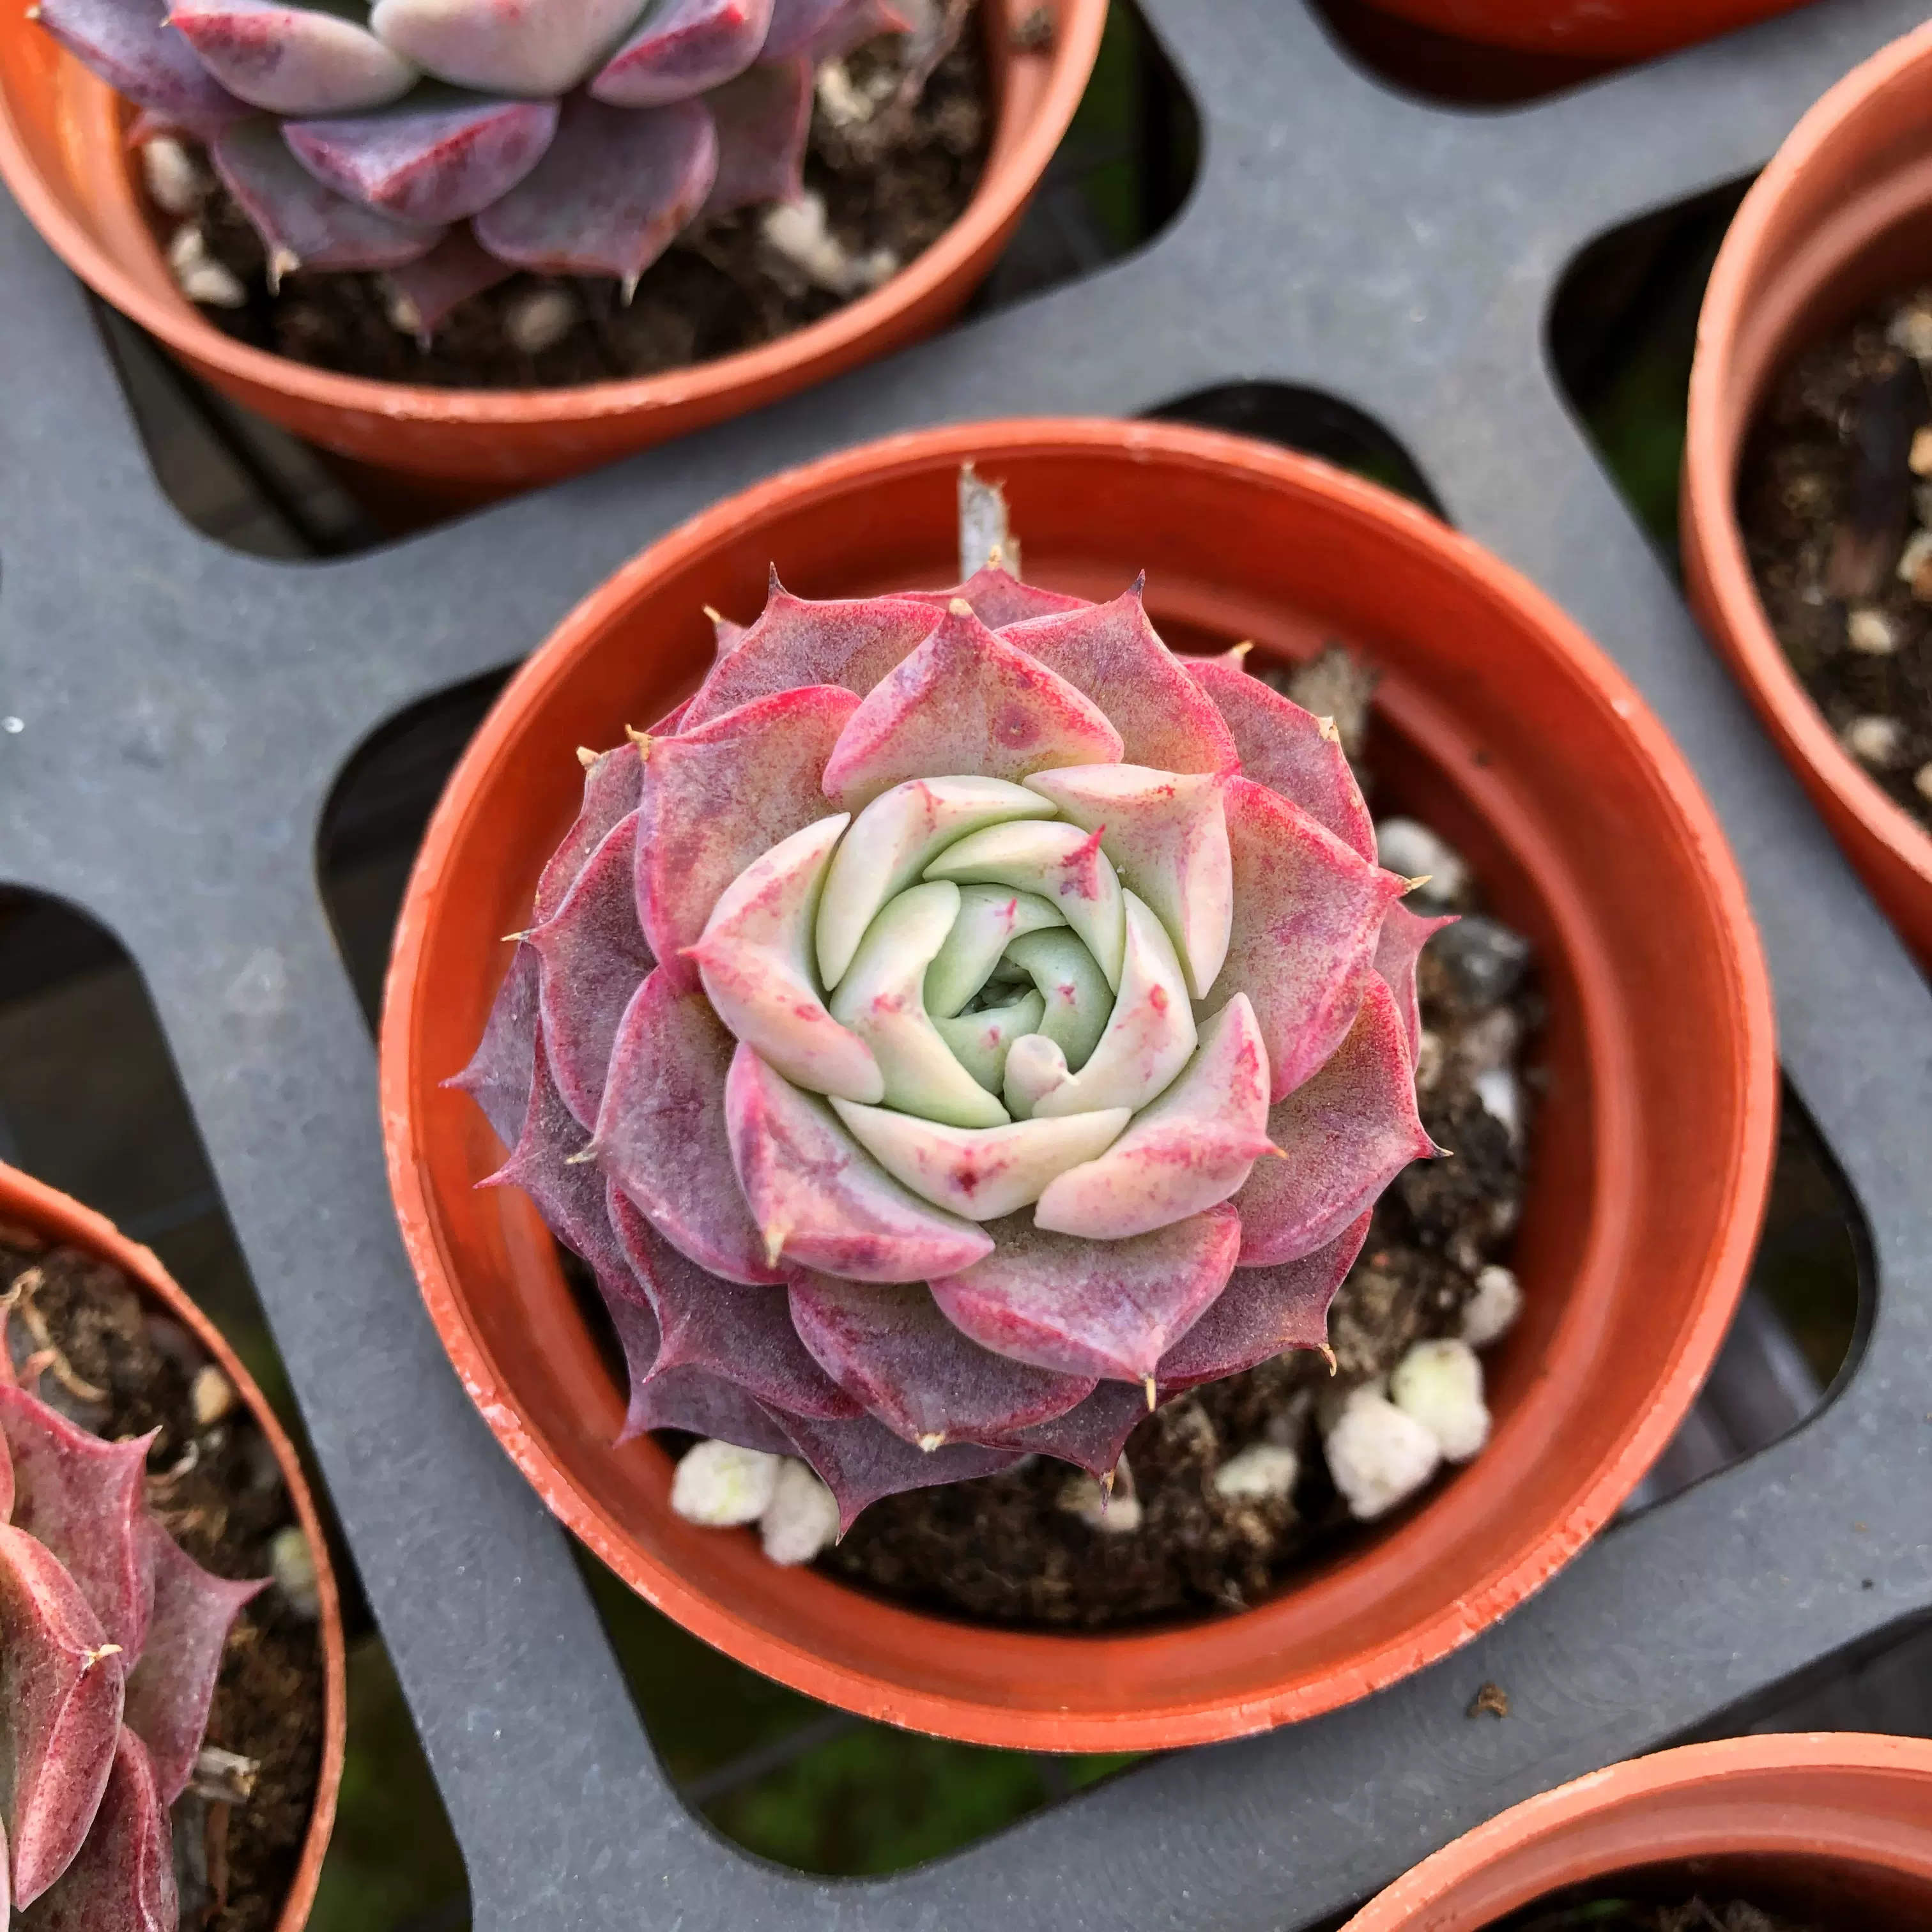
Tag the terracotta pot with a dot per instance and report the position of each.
(62, 153)
(1604, 30)
(1499, 721)
(1843, 215)
(1838, 1824)
(58, 1218)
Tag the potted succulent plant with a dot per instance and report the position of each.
(1812, 1834)
(1804, 499)
(438, 240)
(1606, 30)
(964, 1024)
(160, 1768)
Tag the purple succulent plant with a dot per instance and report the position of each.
(453, 142)
(961, 1023)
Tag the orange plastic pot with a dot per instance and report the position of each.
(1605, 30)
(58, 1218)
(1838, 1824)
(62, 153)
(1843, 215)
(1498, 720)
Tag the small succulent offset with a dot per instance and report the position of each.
(571, 136)
(111, 1639)
(961, 1023)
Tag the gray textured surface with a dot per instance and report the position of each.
(185, 711)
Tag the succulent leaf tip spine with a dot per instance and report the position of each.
(1147, 1382)
(935, 1441)
(586, 757)
(959, 608)
(1328, 1356)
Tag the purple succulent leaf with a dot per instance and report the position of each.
(86, 1500)
(661, 1135)
(702, 1404)
(740, 1333)
(682, 48)
(999, 599)
(498, 1076)
(727, 637)
(1091, 1435)
(856, 22)
(294, 59)
(1345, 1133)
(568, 1191)
(763, 119)
(1113, 654)
(613, 787)
(1110, 1309)
(457, 267)
(890, 1345)
(1307, 913)
(862, 1460)
(171, 1689)
(796, 24)
(1262, 1312)
(303, 224)
(1398, 947)
(965, 701)
(718, 796)
(594, 957)
(435, 157)
(819, 1200)
(611, 194)
(61, 1684)
(1288, 750)
(129, 44)
(796, 643)
(122, 1879)
(636, 1330)
(530, 47)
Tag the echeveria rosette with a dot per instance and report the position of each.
(111, 1639)
(960, 1023)
(453, 142)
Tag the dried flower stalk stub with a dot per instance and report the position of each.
(453, 142)
(969, 1023)
(111, 1638)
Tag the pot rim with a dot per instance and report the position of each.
(1008, 180)
(1174, 1721)
(1691, 1770)
(59, 1217)
(1712, 538)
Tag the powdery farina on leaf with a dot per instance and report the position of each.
(1141, 1034)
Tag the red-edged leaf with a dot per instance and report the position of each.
(661, 1135)
(1263, 1311)
(129, 44)
(703, 1405)
(964, 701)
(1398, 947)
(1344, 1134)
(530, 47)
(1091, 1435)
(170, 1690)
(123, 1880)
(997, 597)
(613, 787)
(683, 48)
(1114, 656)
(1107, 1308)
(457, 267)
(292, 59)
(862, 1460)
(498, 1077)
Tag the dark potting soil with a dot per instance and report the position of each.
(1014, 1549)
(1834, 498)
(894, 182)
(1600, 1913)
(216, 1486)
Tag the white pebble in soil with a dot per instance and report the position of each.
(1922, 782)
(1871, 632)
(1910, 329)
(540, 319)
(1492, 1040)
(1440, 1384)
(1914, 558)
(1379, 1456)
(1117, 1515)
(798, 231)
(199, 275)
(1407, 846)
(211, 1395)
(292, 1563)
(1491, 1312)
(1875, 741)
(176, 185)
(719, 1485)
(802, 1518)
(1262, 1472)
(1501, 1094)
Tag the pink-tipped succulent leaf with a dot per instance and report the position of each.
(1046, 1078)
(131, 45)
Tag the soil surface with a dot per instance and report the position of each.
(1834, 498)
(894, 182)
(215, 1485)
(1012, 1548)
(1623, 1914)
